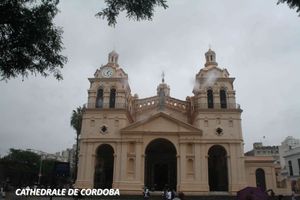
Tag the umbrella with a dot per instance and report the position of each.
(252, 193)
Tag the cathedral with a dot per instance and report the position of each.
(193, 145)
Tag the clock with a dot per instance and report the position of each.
(107, 72)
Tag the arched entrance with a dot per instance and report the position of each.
(260, 179)
(104, 166)
(217, 168)
(160, 165)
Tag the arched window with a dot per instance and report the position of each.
(223, 99)
(210, 98)
(112, 98)
(99, 100)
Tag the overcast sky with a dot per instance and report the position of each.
(257, 41)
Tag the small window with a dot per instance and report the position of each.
(223, 99)
(210, 98)
(112, 98)
(219, 131)
(104, 129)
(99, 100)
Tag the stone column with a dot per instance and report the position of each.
(231, 176)
(92, 168)
(204, 165)
(92, 94)
(139, 162)
(115, 170)
(179, 172)
(217, 102)
(143, 158)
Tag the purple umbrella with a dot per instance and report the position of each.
(252, 193)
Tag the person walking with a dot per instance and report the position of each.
(146, 193)
(2, 193)
(173, 194)
(169, 194)
(164, 194)
(293, 195)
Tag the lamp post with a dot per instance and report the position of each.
(40, 170)
(42, 154)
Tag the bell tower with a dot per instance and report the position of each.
(214, 87)
(216, 113)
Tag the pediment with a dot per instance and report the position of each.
(161, 123)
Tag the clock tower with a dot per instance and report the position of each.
(109, 87)
(108, 108)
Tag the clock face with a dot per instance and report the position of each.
(107, 72)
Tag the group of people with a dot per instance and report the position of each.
(167, 194)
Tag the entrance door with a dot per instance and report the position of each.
(217, 168)
(160, 165)
(103, 176)
(260, 179)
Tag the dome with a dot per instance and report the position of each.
(113, 57)
(210, 57)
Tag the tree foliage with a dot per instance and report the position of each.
(21, 167)
(292, 4)
(30, 43)
(76, 119)
(137, 9)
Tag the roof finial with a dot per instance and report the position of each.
(209, 46)
(114, 46)
(163, 76)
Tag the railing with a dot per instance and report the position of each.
(143, 104)
(106, 106)
(152, 102)
(176, 104)
(217, 106)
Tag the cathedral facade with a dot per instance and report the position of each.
(193, 145)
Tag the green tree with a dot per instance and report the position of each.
(292, 4)
(21, 167)
(30, 43)
(137, 9)
(76, 122)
